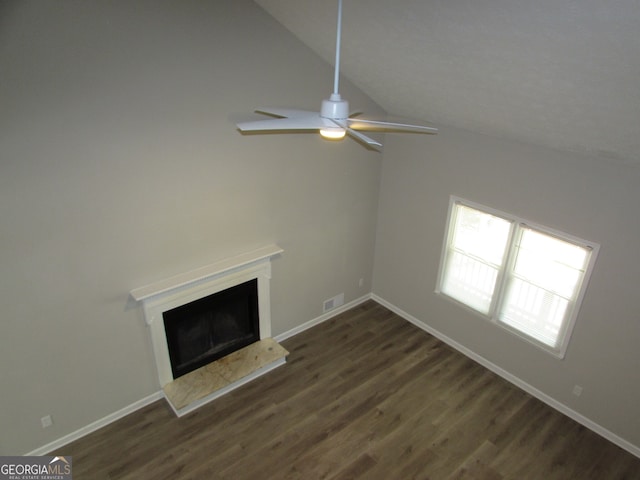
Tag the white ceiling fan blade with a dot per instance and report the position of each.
(306, 123)
(287, 112)
(372, 125)
(363, 138)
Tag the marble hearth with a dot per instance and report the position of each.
(209, 382)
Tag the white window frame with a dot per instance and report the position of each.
(517, 225)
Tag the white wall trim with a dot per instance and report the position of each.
(103, 422)
(562, 408)
(97, 425)
(322, 318)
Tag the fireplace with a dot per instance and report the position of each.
(209, 328)
(247, 317)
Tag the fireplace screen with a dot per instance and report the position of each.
(211, 327)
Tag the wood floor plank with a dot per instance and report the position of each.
(364, 395)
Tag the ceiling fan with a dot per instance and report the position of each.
(333, 120)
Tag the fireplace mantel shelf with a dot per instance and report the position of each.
(205, 272)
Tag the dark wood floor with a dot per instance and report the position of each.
(364, 395)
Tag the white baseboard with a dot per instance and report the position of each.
(612, 437)
(322, 318)
(98, 424)
(103, 422)
(562, 408)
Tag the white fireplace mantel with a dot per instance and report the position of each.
(206, 272)
(187, 287)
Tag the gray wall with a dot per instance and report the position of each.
(583, 196)
(120, 165)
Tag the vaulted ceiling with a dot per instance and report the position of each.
(560, 73)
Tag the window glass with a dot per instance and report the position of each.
(475, 255)
(542, 285)
(480, 234)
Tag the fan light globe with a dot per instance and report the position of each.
(333, 133)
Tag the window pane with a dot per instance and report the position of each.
(480, 234)
(534, 311)
(546, 276)
(475, 255)
(469, 281)
(549, 262)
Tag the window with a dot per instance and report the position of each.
(523, 277)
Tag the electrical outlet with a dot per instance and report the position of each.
(361, 283)
(577, 390)
(46, 421)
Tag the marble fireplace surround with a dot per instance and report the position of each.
(187, 287)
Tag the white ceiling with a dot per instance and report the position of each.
(559, 73)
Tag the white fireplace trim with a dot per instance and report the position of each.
(187, 287)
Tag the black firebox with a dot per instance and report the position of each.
(211, 327)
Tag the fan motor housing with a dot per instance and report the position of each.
(335, 108)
